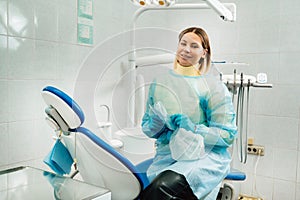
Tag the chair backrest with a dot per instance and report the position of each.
(101, 165)
(98, 163)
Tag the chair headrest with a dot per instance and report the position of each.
(67, 108)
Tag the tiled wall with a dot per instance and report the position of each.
(38, 47)
(272, 47)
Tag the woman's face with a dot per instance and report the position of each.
(190, 50)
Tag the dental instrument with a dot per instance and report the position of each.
(238, 111)
(242, 141)
(237, 86)
(247, 120)
(240, 122)
(234, 85)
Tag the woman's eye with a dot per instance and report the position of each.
(195, 46)
(183, 44)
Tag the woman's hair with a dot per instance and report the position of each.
(204, 62)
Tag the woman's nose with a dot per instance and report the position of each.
(187, 49)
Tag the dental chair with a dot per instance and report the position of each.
(98, 162)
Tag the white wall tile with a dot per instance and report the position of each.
(289, 96)
(46, 19)
(32, 59)
(289, 67)
(69, 60)
(25, 100)
(280, 132)
(298, 191)
(21, 20)
(282, 170)
(20, 57)
(268, 36)
(289, 33)
(107, 23)
(290, 7)
(4, 103)
(3, 57)
(4, 147)
(3, 16)
(264, 130)
(286, 134)
(248, 38)
(67, 21)
(21, 141)
(266, 101)
(227, 40)
(268, 9)
(299, 132)
(247, 11)
(263, 187)
(284, 190)
(45, 61)
(298, 168)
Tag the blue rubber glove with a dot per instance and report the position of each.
(183, 121)
(153, 125)
(165, 136)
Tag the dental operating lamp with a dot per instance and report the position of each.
(226, 11)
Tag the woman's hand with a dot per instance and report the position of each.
(157, 124)
(183, 121)
(153, 125)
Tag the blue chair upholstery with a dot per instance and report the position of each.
(233, 175)
(70, 102)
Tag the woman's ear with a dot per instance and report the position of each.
(204, 53)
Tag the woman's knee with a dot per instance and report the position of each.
(168, 185)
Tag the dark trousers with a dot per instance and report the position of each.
(168, 185)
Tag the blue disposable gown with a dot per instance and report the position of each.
(208, 104)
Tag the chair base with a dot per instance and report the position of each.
(226, 192)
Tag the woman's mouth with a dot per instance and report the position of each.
(183, 56)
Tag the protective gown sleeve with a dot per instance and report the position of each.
(220, 127)
(152, 126)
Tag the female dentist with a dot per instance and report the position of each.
(191, 115)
